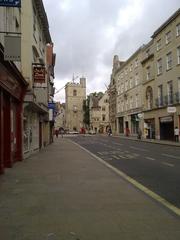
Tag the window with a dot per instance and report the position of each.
(136, 100)
(160, 95)
(74, 92)
(148, 73)
(104, 118)
(131, 102)
(126, 106)
(130, 68)
(178, 55)
(149, 97)
(147, 52)
(136, 79)
(126, 71)
(168, 37)
(170, 92)
(178, 93)
(169, 61)
(158, 45)
(178, 29)
(103, 108)
(136, 63)
(122, 87)
(130, 82)
(126, 85)
(159, 66)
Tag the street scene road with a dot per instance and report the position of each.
(155, 166)
(65, 193)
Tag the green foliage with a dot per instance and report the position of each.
(86, 118)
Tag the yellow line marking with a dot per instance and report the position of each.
(138, 185)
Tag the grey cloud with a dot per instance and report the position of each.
(78, 33)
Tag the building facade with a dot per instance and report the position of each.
(99, 113)
(129, 103)
(75, 94)
(163, 90)
(112, 91)
(148, 85)
(60, 117)
(12, 90)
(36, 71)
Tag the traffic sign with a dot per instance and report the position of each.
(10, 3)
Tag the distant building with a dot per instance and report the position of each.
(112, 91)
(75, 94)
(99, 112)
(60, 116)
(129, 94)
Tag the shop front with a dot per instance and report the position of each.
(149, 128)
(12, 91)
(166, 128)
(134, 123)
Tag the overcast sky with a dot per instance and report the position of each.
(88, 33)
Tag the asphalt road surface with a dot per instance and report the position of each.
(155, 166)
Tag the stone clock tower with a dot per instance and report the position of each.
(75, 94)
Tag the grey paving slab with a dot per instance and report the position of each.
(64, 193)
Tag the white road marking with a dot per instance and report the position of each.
(100, 153)
(149, 158)
(122, 156)
(135, 154)
(140, 149)
(168, 164)
(120, 144)
(171, 156)
(115, 157)
(144, 189)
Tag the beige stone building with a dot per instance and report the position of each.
(75, 94)
(99, 113)
(162, 88)
(129, 103)
(148, 86)
(37, 71)
(113, 94)
(60, 116)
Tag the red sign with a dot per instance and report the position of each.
(39, 74)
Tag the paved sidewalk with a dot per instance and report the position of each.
(63, 193)
(157, 141)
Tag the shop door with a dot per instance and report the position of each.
(167, 131)
(6, 131)
(40, 135)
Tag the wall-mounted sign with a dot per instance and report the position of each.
(12, 48)
(171, 109)
(10, 3)
(166, 119)
(39, 74)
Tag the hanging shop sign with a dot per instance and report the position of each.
(12, 48)
(52, 112)
(39, 74)
(10, 3)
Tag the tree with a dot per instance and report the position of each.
(86, 118)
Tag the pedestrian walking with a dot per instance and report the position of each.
(176, 134)
(109, 131)
(57, 132)
(139, 134)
